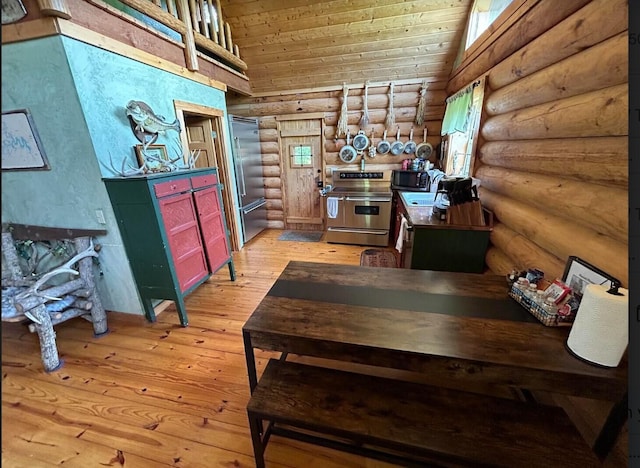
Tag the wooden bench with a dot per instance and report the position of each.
(27, 296)
(409, 423)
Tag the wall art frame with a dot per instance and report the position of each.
(152, 151)
(578, 274)
(21, 145)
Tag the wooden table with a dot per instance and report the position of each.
(452, 326)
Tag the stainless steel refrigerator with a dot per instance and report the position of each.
(250, 181)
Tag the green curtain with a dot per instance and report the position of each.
(457, 113)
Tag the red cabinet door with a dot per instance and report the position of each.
(183, 232)
(212, 226)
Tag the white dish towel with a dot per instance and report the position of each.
(403, 229)
(332, 207)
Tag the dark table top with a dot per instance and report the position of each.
(454, 325)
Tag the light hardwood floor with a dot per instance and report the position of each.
(151, 395)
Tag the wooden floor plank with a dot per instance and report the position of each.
(57, 448)
(142, 374)
(160, 448)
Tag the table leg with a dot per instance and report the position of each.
(255, 427)
(612, 427)
(251, 361)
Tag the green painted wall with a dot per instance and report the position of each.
(77, 95)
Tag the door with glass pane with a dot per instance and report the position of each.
(301, 171)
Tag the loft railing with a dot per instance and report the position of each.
(199, 22)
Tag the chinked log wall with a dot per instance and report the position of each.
(553, 156)
(552, 151)
(405, 99)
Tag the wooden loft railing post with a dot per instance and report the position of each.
(204, 26)
(171, 7)
(188, 38)
(193, 10)
(227, 30)
(223, 41)
(54, 8)
(212, 15)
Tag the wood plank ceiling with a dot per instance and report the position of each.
(309, 44)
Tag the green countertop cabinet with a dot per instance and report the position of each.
(432, 244)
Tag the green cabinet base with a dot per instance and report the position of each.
(457, 250)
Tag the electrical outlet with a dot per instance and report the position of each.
(100, 216)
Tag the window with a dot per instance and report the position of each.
(301, 156)
(483, 13)
(460, 129)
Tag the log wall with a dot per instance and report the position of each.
(329, 102)
(552, 152)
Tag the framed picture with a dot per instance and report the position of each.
(21, 145)
(153, 154)
(578, 274)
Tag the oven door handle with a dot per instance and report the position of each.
(369, 199)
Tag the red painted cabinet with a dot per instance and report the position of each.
(174, 232)
(185, 240)
(213, 228)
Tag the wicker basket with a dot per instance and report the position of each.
(545, 317)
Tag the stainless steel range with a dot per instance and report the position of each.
(359, 208)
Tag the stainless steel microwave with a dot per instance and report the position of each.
(410, 180)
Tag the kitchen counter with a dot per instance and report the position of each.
(432, 244)
(423, 216)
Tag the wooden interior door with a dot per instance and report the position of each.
(301, 171)
(200, 138)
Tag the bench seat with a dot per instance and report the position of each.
(378, 415)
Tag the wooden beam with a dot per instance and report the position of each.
(27, 30)
(352, 86)
(199, 109)
(308, 115)
(223, 74)
(88, 36)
